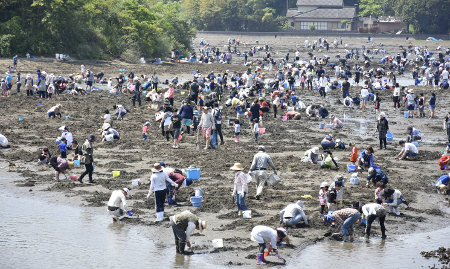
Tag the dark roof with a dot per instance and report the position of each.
(320, 3)
(324, 13)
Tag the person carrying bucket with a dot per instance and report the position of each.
(183, 224)
(270, 238)
(240, 189)
(117, 204)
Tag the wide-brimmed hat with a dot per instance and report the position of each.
(315, 150)
(106, 126)
(62, 128)
(127, 191)
(410, 91)
(71, 165)
(201, 225)
(237, 167)
(157, 168)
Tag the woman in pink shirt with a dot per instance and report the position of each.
(170, 92)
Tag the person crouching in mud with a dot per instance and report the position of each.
(183, 224)
(267, 237)
(117, 204)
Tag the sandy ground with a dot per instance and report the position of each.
(284, 141)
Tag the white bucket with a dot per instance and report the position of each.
(199, 192)
(217, 243)
(136, 182)
(247, 214)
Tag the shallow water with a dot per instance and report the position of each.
(401, 252)
(39, 234)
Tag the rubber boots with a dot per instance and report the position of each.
(160, 216)
(177, 242)
(181, 246)
(260, 258)
(169, 201)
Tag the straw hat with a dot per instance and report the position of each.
(410, 91)
(157, 168)
(201, 225)
(237, 167)
(106, 126)
(71, 165)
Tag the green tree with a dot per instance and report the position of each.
(372, 8)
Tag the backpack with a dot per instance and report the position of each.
(218, 115)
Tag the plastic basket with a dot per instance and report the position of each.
(389, 136)
(193, 173)
(351, 167)
(196, 201)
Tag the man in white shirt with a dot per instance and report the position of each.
(371, 212)
(445, 75)
(292, 214)
(408, 151)
(117, 203)
(322, 84)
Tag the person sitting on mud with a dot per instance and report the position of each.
(265, 237)
(375, 176)
(413, 135)
(183, 224)
(54, 111)
(311, 155)
(393, 198)
(409, 151)
(328, 160)
(60, 165)
(109, 134)
(371, 212)
(328, 142)
(337, 123)
(292, 214)
(365, 159)
(44, 156)
(117, 204)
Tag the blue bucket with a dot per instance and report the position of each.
(21, 118)
(322, 125)
(330, 126)
(406, 114)
(351, 167)
(193, 173)
(415, 143)
(76, 162)
(196, 201)
(389, 136)
(376, 167)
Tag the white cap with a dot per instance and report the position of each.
(324, 184)
(127, 191)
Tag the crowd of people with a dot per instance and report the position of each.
(198, 105)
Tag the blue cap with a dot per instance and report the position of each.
(196, 112)
(162, 164)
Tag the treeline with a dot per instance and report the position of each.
(101, 29)
(424, 16)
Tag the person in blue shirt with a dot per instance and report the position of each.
(63, 148)
(366, 158)
(187, 113)
(15, 59)
(443, 183)
(432, 104)
(376, 175)
(9, 80)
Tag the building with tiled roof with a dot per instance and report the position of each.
(323, 14)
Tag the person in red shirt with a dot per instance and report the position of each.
(180, 179)
(354, 154)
